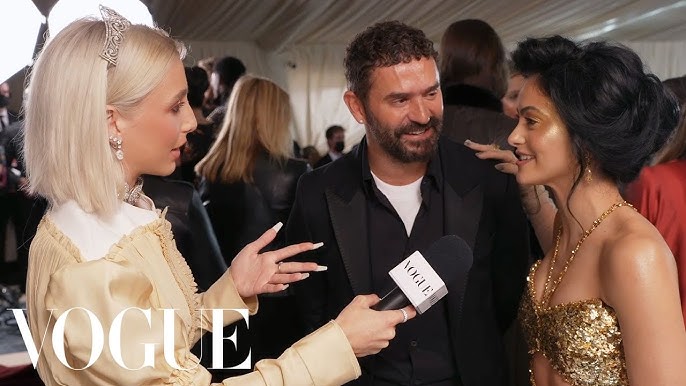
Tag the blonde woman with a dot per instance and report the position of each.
(109, 104)
(248, 182)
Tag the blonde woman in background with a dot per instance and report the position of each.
(248, 181)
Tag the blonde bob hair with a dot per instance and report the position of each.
(257, 120)
(66, 140)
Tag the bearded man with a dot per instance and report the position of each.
(403, 188)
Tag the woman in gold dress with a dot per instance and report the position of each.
(107, 104)
(602, 307)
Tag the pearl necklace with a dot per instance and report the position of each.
(549, 288)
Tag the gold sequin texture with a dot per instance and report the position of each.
(581, 340)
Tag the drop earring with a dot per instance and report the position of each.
(115, 143)
(589, 173)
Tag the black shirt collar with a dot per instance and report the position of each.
(433, 171)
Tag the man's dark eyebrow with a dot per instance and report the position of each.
(432, 88)
(404, 95)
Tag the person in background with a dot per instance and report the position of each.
(105, 248)
(208, 103)
(473, 80)
(7, 117)
(225, 74)
(248, 182)
(8, 177)
(201, 139)
(335, 141)
(658, 192)
(311, 154)
(514, 84)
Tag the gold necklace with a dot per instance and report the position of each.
(549, 288)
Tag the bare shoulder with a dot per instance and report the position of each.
(635, 257)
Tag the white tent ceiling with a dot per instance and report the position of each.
(300, 43)
(275, 25)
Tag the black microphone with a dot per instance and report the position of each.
(450, 258)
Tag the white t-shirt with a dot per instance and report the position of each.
(94, 236)
(406, 199)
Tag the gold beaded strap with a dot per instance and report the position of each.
(549, 288)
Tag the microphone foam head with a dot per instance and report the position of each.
(450, 257)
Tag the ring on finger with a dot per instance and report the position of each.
(404, 315)
(278, 267)
(496, 146)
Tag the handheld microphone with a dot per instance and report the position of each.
(423, 282)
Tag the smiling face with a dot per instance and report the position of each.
(404, 110)
(542, 141)
(155, 130)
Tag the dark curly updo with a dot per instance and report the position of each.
(614, 111)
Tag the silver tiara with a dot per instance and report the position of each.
(115, 25)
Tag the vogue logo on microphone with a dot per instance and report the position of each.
(114, 338)
(419, 282)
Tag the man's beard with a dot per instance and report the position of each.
(410, 151)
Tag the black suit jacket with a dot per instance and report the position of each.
(480, 205)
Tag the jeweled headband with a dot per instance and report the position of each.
(115, 25)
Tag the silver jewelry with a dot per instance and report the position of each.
(131, 195)
(115, 25)
(404, 315)
(115, 143)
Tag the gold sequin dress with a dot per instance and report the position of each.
(581, 340)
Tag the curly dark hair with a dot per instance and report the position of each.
(384, 44)
(615, 112)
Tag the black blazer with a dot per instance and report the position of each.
(480, 204)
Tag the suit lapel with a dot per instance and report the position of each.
(349, 220)
(461, 214)
(462, 206)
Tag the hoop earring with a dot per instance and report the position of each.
(115, 143)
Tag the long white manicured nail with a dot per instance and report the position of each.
(321, 268)
(277, 227)
(305, 276)
(317, 246)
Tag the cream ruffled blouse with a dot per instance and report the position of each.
(79, 260)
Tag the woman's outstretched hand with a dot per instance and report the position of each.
(255, 273)
(506, 157)
(370, 331)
